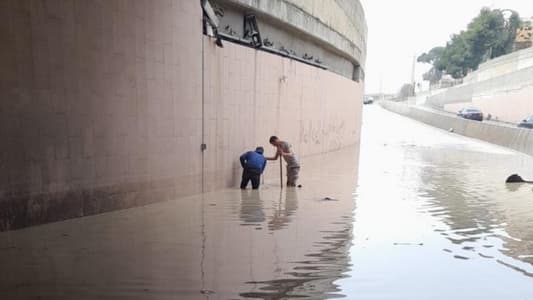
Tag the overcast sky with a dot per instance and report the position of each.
(399, 30)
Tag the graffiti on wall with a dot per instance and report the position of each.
(330, 133)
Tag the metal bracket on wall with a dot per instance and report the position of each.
(357, 73)
(203, 147)
(251, 30)
(210, 22)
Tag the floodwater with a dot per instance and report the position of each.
(422, 214)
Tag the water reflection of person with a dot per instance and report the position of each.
(252, 207)
(284, 210)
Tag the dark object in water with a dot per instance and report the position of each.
(516, 178)
(408, 244)
(299, 185)
(329, 199)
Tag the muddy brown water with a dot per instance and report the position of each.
(423, 214)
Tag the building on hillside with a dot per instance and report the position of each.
(524, 35)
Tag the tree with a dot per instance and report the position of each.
(488, 35)
(484, 35)
(406, 91)
(511, 28)
(433, 75)
(432, 57)
(456, 59)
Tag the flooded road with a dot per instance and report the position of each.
(434, 218)
(422, 214)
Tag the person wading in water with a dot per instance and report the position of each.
(284, 149)
(253, 164)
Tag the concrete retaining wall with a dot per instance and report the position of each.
(501, 87)
(503, 65)
(511, 107)
(331, 33)
(104, 105)
(340, 23)
(515, 138)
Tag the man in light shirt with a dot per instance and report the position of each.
(285, 150)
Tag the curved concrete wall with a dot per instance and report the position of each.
(105, 105)
(519, 139)
(345, 17)
(334, 32)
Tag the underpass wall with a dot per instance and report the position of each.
(519, 139)
(251, 95)
(104, 105)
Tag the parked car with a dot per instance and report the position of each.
(368, 100)
(527, 122)
(471, 114)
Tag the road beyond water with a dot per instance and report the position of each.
(423, 214)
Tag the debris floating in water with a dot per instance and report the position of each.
(329, 199)
(409, 244)
(461, 257)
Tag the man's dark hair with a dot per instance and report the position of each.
(259, 150)
(273, 139)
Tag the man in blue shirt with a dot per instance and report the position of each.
(253, 164)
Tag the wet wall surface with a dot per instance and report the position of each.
(105, 106)
(423, 214)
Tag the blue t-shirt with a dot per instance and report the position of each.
(253, 160)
